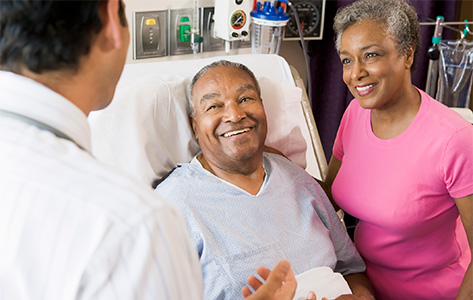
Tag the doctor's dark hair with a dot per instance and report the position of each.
(397, 17)
(213, 65)
(46, 35)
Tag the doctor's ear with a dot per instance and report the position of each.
(112, 14)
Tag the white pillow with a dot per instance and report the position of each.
(146, 129)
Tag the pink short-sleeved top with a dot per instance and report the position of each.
(402, 190)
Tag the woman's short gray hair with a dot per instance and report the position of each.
(397, 17)
(213, 65)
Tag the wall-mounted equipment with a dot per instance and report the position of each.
(192, 30)
(311, 15)
(150, 34)
(210, 42)
(232, 20)
(267, 28)
(181, 22)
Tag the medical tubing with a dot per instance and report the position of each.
(433, 53)
(306, 55)
(196, 39)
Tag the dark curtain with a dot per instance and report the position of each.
(330, 96)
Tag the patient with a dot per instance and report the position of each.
(245, 207)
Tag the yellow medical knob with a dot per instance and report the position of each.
(150, 22)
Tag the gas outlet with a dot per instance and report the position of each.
(180, 29)
(150, 34)
(211, 43)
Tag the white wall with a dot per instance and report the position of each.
(290, 50)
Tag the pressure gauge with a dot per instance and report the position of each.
(230, 20)
(311, 17)
(238, 19)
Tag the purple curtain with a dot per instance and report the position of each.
(330, 96)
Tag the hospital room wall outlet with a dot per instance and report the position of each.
(232, 19)
(168, 32)
(149, 34)
(211, 43)
(180, 31)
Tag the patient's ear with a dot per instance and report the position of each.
(194, 125)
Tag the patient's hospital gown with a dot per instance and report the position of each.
(234, 232)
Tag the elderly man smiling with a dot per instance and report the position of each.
(245, 207)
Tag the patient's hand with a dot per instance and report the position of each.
(280, 283)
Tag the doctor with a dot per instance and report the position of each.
(69, 226)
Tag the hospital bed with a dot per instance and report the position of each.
(146, 132)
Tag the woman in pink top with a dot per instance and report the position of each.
(402, 162)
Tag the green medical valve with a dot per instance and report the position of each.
(185, 32)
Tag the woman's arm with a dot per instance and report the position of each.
(465, 207)
(333, 168)
(360, 286)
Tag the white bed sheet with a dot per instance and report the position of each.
(146, 130)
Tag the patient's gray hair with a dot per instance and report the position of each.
(397, 17)
(213, 65)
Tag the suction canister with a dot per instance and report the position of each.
(267, 27)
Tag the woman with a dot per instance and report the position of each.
(402, 162)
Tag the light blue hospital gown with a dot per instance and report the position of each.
(234, 232)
